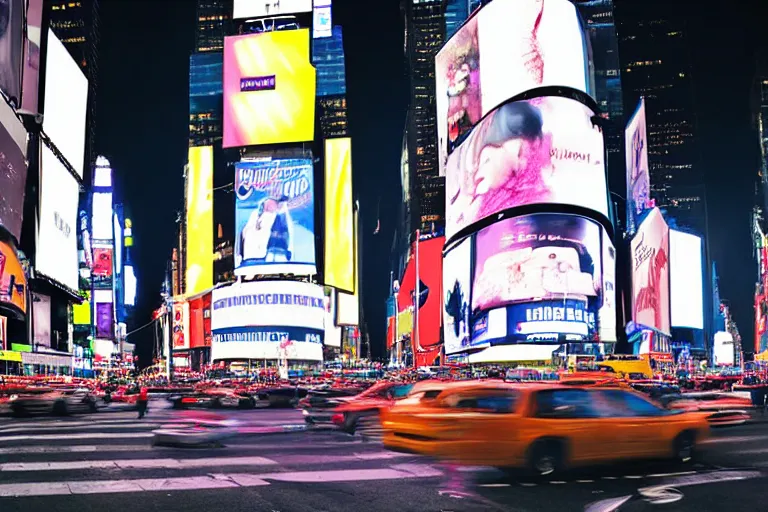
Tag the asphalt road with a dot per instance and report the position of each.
(105, 461)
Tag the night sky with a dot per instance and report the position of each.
(142, 127)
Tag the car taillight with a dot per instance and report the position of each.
(337, 419)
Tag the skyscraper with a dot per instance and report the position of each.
(424, 30)
(656, 64)
(213, 20)
(76, 24)
(328, 58)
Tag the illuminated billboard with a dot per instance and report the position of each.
(66, 102)
(457, 277)
(541, 151)
(261, 8)
(180, 334)
(199, 271)
(104, 313)
(13, 170)
(56, 254)
(269, 89)
(101, 219)
(686, 276)
(275, 217)
(322, 20)
(607, 312)
(328, 58)
(101, 271)
(421, 289)
(638, 179)
(268, 320)
(31, 77)
(41, 320)
(340, 265)
(650, 273)
(11, 47)
(13, 281)
(332, 331)
(506, 48)
(537, 279)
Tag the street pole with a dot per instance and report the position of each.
(416, 340)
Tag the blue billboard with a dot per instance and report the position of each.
(274, 217)
(328, 59)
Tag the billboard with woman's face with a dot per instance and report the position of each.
(539, 151)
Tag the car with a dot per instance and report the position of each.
(723, 409)
(318, 406)
(543, 428)
(361, 412)
(213, 398)
(59, 402)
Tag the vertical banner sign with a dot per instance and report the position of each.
(340, 265)
(199, 272)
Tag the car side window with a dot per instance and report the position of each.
(494, 402)
(624, 404)
(565, 404)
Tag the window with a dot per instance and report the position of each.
(398, 392)
(493, 401)
(624, 404)
(565, 404)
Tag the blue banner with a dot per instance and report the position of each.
(268, 334)
(274, 217)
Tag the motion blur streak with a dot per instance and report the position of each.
(339, 224)
(199, 274)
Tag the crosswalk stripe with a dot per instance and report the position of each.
(735, 439)
(88, 426)
(84, 435)
(137, 464)
(71, 423)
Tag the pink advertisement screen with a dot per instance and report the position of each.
(650, 273)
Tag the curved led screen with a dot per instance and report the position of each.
(457, 265)
(539, 151)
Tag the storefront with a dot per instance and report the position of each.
(47, 363)
(10, 362)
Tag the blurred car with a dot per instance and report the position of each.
(723, 409)
(361, 412)
(59, 402)
(280, 396)
(541, 427)
(318, 406)
(213, 398)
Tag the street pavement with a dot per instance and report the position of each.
(105, 461)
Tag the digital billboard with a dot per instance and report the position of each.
(269, 89)
(104, 313)
(457, 267)
(11, 47)
(13, 280)
(268, 320)
(101, 219)
(650, 273)
(81, 313)
(101, 271)
(56, 254)
(537, 278)
(540, 151)
(340, 265)
(686, 276)
(328, 58)
(607, 313)
(506, 48)
(261, 8)
(180, 334)
(31, 77)
(66, 102)
(332, 331)
(13, 170)
(41, 320)
(638, 178)
(199, 263)
(421, 288)
(322, 20)
(275, 217)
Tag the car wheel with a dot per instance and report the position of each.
(216, 403)
(368, 424)
(545, 458)
(18, 411)
(60, 408)
(685, 447)
(92, 406)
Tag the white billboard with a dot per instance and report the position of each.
(686, 277)
(332, 331)
(56, 254)
(347, 309)
(65, 103)
(457, 265)
(268, 320)
(723, 349)
(101, 220)
(261, 8)
(118, 246)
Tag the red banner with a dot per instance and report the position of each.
(390, 332)
(196, 327)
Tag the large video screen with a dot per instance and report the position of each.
(457, 267)
(30, 87)
(340, 265)
(101, 272)
(11, 47)
(607, 313)
(56, 254)
(650, 273)
(328, 58)
(332, 330)
(199, 272)
(13, 170)
(101, 219)
(686, 275)
(268, 320)
(427, 277)
(508, 47)
(275, 217)
(545, 150)
(261, 8)
(66, 103)
(537, 278)
(638, 178)
(269, 89)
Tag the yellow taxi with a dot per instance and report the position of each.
(541, 427)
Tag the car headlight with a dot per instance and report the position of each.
(13, 397)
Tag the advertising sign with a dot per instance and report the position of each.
(332, 331)
(269, 89)
(638, 178)
(199, 263)
(275, 217)
(541, 151)
(426, 332)
(322, 21)
(340, 265)
(13, 170)
(180, 326)
(607, 313)
(42, 320)
(104, 320)
(11, 47)
(268, 320)
(30, 87)
(13, 282)
(537, 278)
(457, 266)
(56, 255)
(101, 220)
(102, 263)
(328, 58)
(260, 8)
(686, 277)
(650, 273)
(508, 47)
(66, 102)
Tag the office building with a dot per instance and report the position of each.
(656, 64)
(456, 13)
(328, 59)
(213, 20)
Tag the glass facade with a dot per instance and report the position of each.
(213, 19)
(205, 98)
(328, 58)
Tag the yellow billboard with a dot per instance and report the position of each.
(269, 89)
(199, 271)
(339, 221)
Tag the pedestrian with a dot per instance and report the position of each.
(141, 403)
